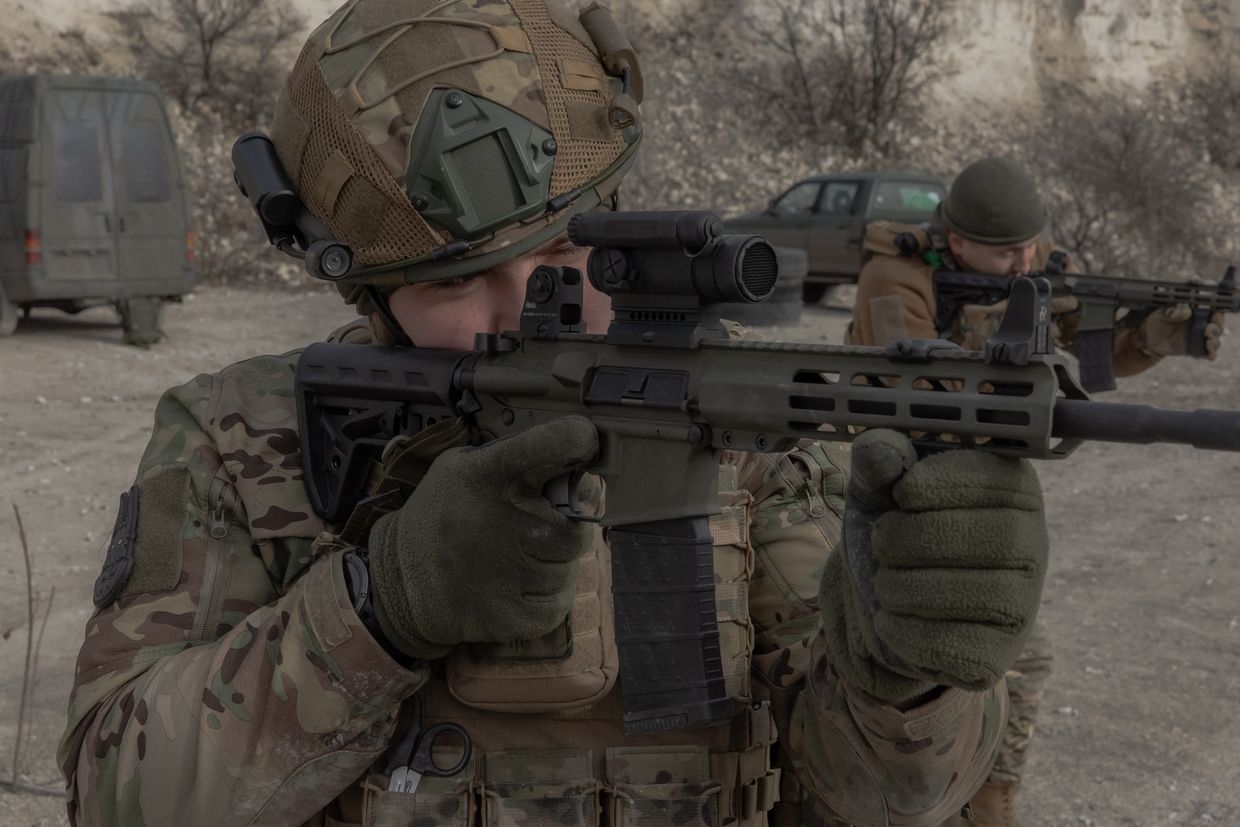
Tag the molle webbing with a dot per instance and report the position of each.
(734, 561)
(313, 137)
(580, 156)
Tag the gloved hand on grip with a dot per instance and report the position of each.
(477, 554)
(977, 324)
(938, 576)
(1166, 332)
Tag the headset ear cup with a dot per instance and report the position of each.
(614, 48)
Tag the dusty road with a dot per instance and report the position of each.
(1140, 723)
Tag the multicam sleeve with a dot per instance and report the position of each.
(846, 756)
(210, 692)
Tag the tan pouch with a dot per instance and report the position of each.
(533, 788)
(734, 561)
(520, 679)
(444, 802)
(884, 238)
(662, 787)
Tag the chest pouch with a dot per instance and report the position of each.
(575, 665)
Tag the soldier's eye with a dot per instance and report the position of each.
(451, 284)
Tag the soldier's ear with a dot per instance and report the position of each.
(955, 243)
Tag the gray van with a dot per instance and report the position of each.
(93, 200)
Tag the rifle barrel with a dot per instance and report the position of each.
(1144, 424)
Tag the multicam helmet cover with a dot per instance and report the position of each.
(439, 137)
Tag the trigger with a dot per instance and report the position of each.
(562, 492)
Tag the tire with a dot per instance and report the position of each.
(783, 306)
(8, 315)
(813, 292)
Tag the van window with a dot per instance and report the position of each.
(144, 163)
(12, 172)
(77, 160)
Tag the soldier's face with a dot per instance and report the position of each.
(995, 259)
(447, 314)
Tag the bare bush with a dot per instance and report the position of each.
(223, 55)
(221, 63)
(747, 97)
(231, 245)
(1126, 184)
(31, 49)
(1214, 96)
(850, 73)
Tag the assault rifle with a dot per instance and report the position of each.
(668, 389)
(1100, 298)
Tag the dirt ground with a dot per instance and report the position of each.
(1139, 725)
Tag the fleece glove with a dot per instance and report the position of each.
(477, 554)
(938, 577)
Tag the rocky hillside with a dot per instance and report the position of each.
(1011, 49)
(1003, 50)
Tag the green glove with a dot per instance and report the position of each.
(938, 577)
(477, 554)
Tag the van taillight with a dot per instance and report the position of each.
(191, 247)
(34, 247)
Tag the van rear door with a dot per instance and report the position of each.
(76, 222)
(150, 204)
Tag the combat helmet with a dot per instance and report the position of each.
(436, 138)
(993, 201)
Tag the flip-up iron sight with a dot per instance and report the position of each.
(291, 227)
(667, 271)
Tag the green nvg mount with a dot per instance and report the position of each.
(668, 389)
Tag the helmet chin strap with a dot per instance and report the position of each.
(381, 304)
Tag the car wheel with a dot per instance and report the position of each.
(8, 315)
(812, 292)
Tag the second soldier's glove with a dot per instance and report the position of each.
(938, 577)
(477, 554)
(1165, 332)
(976, 324)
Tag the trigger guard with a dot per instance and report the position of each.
(561, 492)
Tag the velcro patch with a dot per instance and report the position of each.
(119, 562)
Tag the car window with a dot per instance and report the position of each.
(840, 197)
(904, 196)
(798, 200)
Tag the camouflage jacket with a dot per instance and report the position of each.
(895, 300)
(231, 682)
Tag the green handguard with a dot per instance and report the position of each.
(939, 574)
(477, 553)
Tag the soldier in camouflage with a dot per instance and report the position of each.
(238, 670)
(993, 221)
